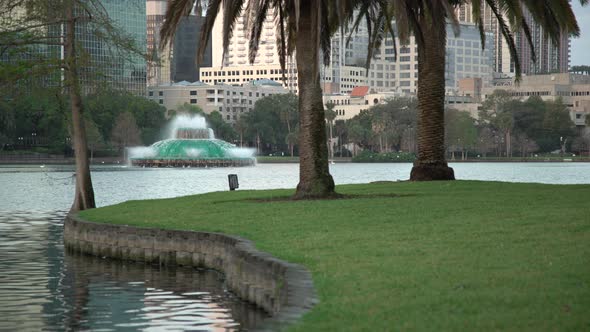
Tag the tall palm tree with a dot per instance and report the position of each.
(304, 26)
(426, 20)
(330, 115)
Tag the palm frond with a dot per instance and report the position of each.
(176, 10)
(508, 36)
(325, 31)
(232, 10)
(281, 37)
(207, 27)
(477, 16)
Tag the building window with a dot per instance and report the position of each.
(161, 101)
(151, 93)
(193, 101)
(193, 93)
(160, 93)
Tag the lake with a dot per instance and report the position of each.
(50, 188)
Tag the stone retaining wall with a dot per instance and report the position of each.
(283, 289)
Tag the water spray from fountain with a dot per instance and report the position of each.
(191, 143)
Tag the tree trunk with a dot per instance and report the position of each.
(84, 197)
(508, 145)
(315, 180)
(331, 141)
(431, 164)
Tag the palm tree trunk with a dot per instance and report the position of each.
(431, 164)
(84, 197)
(314, 174)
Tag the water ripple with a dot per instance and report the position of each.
(43, 288)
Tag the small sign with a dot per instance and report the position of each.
(233, 181)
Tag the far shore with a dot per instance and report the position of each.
(60, 160)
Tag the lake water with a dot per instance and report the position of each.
(43, 288)
(50, 188)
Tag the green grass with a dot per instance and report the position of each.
(449, 256)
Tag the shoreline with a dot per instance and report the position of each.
(282, 289)
(115, 162)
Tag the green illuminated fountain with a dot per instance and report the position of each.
(192, 145)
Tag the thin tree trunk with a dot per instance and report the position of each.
(508, 145)
(431, 164)
(314, 174)
(84, 197)
(331, 142)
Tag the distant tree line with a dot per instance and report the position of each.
(40, 121)
(505, 127)
(385, 132)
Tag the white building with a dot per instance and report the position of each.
(359, 99)
(235, 69)
(231, 101)
(573, 89)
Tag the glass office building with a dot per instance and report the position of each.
(112, 66)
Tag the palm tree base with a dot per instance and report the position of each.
(432, 172)
(319, 189)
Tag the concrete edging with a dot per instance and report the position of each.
(284, 290)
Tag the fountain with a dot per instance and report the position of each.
(191, 144)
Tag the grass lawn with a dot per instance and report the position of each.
(451, 256)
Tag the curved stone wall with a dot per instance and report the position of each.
(283, 289)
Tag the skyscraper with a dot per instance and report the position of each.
(102, 61)
(176, 62)
(114, 67)
(551, 57)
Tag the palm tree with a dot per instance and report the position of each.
(426, 20)
(315, 22)
(330, 115)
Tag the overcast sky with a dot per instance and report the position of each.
(581, 46)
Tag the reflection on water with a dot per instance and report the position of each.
(43, 288)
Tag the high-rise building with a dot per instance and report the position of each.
(465, 59)
(348, 57)
(235, 68)
(184, 66)
(104, 62)
(177, 62)
(551, 57)
(114, 67)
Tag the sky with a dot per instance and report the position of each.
(581, 46)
